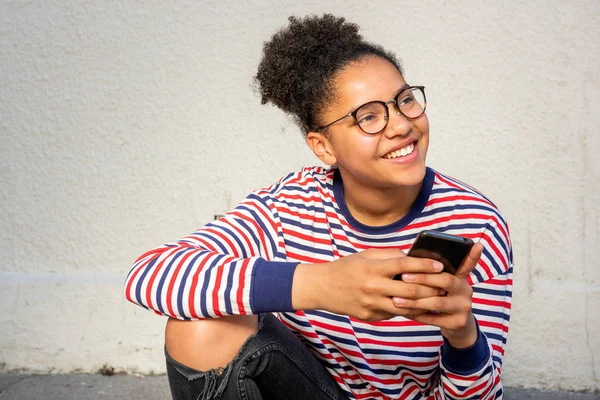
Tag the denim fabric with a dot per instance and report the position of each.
(272, 364)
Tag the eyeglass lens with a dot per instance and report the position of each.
(372, 117)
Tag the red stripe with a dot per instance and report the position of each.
(171, 284)
(132, 277)
(266, 218)
(457, 198)
(225, 238)
(313, 240)
(241, 286)
(242, 234)
(156, 268)
(493, 325)
(194, 285)
(217, 287)
(195, 237)
(429, 343)
(491, 303)
(293, 256)
(259, 230)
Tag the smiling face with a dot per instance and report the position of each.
(393, 158)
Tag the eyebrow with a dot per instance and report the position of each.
(402, 89)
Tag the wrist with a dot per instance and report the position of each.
(463, 337)
(306, 287)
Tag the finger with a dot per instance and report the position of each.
(401, 265)
(388, 307)
(471, 261)
(394, 288)
(445, 305)
(383, 254)
(444, 281)
(440, 320)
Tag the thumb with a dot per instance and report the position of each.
(470, 262)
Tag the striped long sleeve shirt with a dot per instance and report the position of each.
(244, 263)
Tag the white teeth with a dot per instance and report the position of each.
(403, 152)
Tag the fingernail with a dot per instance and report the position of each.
(399, 301)
(408, 277)
(438, 266)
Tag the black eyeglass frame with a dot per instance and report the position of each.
(385, 106)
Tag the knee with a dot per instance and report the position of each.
(208, 343)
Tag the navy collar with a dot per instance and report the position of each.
(415, 210)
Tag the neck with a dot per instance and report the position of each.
(379, 206)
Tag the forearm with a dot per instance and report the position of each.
(188, 283)
(307, 288)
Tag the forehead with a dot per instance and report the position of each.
(371, 78)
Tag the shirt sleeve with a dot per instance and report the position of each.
(232, 266)
(475, 372)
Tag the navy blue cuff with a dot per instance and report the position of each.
(469, 360)
(272, 286)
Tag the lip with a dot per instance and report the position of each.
(399, 146)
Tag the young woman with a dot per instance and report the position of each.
(318, 249)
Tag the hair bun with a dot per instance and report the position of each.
(298, 62)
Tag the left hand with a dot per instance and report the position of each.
(451, 313)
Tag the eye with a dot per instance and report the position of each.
(363, 119)
(406, 99)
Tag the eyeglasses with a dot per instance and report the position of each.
(373, 117)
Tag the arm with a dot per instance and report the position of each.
(217, 270)
(476, 371)
(473, 318)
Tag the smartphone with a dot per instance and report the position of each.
(450, 250)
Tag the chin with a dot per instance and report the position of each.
(411, 177)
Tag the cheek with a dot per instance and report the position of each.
(423, 127)
(357, 146)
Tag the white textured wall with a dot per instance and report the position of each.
(128, 125)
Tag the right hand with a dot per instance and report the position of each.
(360, 285)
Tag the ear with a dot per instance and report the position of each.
(321, 146)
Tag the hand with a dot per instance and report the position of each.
(360, 285)
(451, 313)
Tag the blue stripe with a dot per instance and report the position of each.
(161, 283)
(212, 239)
(361, 365)
(249, 232)
(232, 270)
(402, 354)
(142, 279)
(495, 336)
(398, 333)
(296, 321)
(478, 276)
(258, 219)
(309, 249)
(310, 228)
(492, 292)
(489, 313)
(191, 266)
(439, 208)
(231, 236)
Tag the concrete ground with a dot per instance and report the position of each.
(134, 387)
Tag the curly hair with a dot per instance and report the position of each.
(301, 60)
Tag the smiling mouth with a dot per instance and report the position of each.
(403, 152)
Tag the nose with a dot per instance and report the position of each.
(398, 124)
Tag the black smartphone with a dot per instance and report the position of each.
(450, 250)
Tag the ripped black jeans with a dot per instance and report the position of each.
(272, 364)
